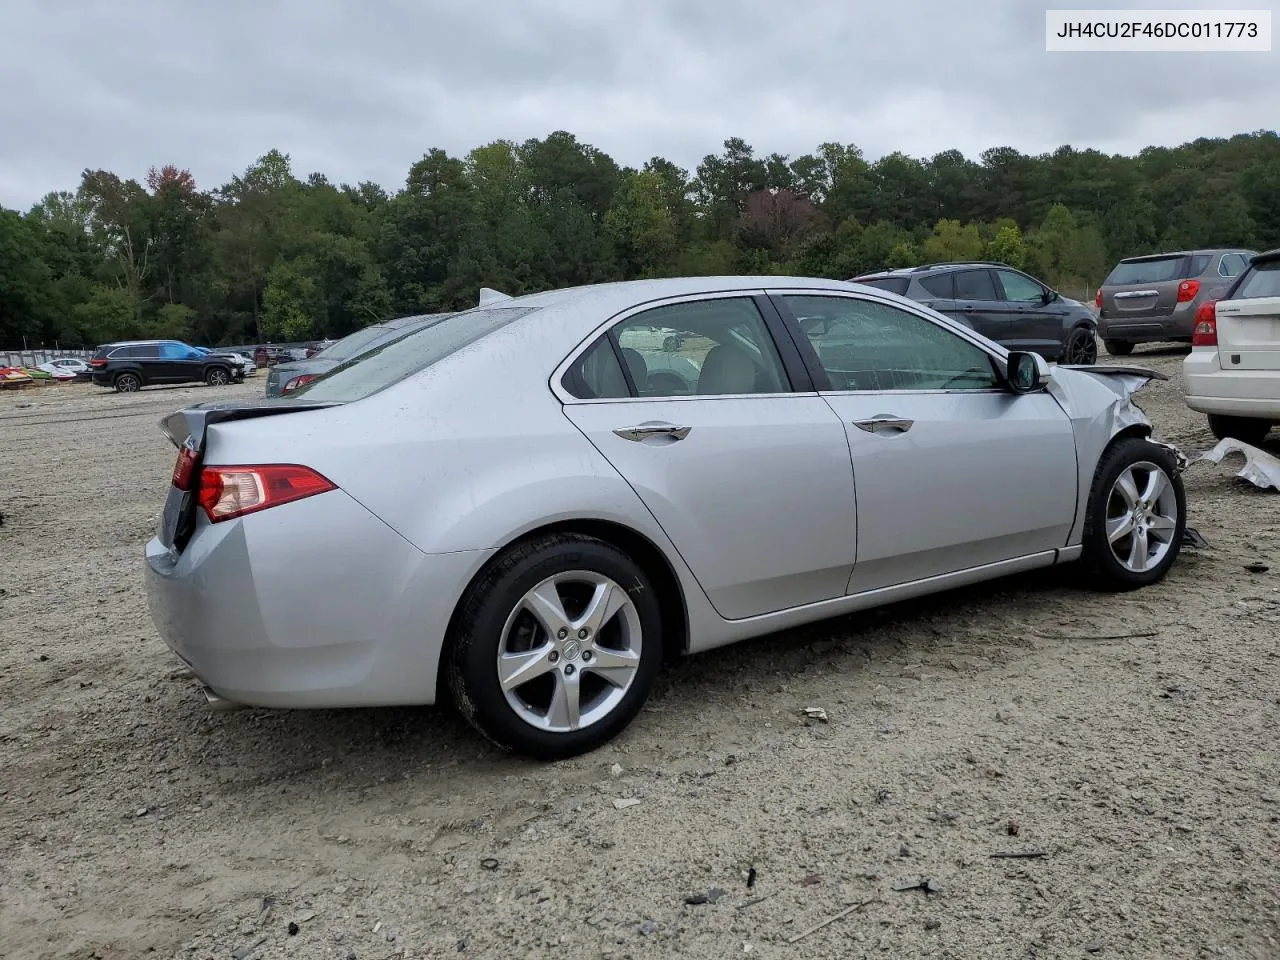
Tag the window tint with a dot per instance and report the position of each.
(597, 375)
(177, 351)
(399, 359)
(892, 284)
(975, 285)
(1199, 263)
(1262, 280)
(941, 285)
(1155, 270)
(135, 353)
(705, 348)
(1020, 288)
(863, 345)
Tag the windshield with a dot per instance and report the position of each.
(406, 355)
(1147, 271)
(1262, 280)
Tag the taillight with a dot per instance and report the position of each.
(184, 470)
(1097, 300)
(96, 362)
(297, 382)
(1205, 332)
(229, 492)
(1187, 291)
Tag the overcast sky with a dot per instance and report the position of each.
(359, 90)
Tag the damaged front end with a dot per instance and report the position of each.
(1099, 400)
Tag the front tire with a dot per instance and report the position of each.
(556, 646)
(1136, 516)
(1119, 348)
(1081, 348)
(1245, 429)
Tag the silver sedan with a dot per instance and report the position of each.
(528, 504)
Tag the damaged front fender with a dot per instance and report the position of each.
(1099, 400)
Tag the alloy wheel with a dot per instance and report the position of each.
(1142, 516)
(1082, 348)
(569, 651)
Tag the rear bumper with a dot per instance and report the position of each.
(1208, 388)
(1177, 325)
(311, 604)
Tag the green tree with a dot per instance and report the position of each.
(951, 241)
(1007, 246)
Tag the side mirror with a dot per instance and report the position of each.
(1048, 297)
(1026, 372)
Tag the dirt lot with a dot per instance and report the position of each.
(1130, 739)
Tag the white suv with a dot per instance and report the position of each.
(1233, 370)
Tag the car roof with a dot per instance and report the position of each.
(620, 295)
(1206, 251)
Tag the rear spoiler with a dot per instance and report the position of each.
(189, 425)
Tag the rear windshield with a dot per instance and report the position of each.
(406, 355)
(1156, 270)
(1261, 280)
(354, 343)
(892, 284)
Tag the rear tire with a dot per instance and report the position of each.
(127, 383)
(1136, 516)
(1081, 347)
(524, 617)
(1245, 429)
(217, 377)
(1119, 348)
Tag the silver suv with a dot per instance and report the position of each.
(1154, 299)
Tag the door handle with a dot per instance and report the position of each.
(653, 430)
(877, 424)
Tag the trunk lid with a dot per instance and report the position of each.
(186, 430)
(1249, 334)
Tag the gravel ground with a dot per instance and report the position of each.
(1124, 744)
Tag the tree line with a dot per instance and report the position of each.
(270, 256)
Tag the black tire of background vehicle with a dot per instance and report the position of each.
(483, 612)
(127, 383)
(1119, 348)
(1081, 347)
(1103, 569)
(217, 376)
(1245, 429)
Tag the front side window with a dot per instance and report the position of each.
(864, 345)
(975, 285)
(1019, 288)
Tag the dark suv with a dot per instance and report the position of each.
(1006, 305)
(133, 364)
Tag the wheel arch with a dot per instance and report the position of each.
(666, 583)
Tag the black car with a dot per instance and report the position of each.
(133, 364)
(1006, 305)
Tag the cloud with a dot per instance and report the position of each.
(359, 90)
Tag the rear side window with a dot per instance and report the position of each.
(975, 285)
(135, 353)
(1155, 270)
(1262, 280)
(391, 362)
(941, 286)
(1233, 264)
(892, 284)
